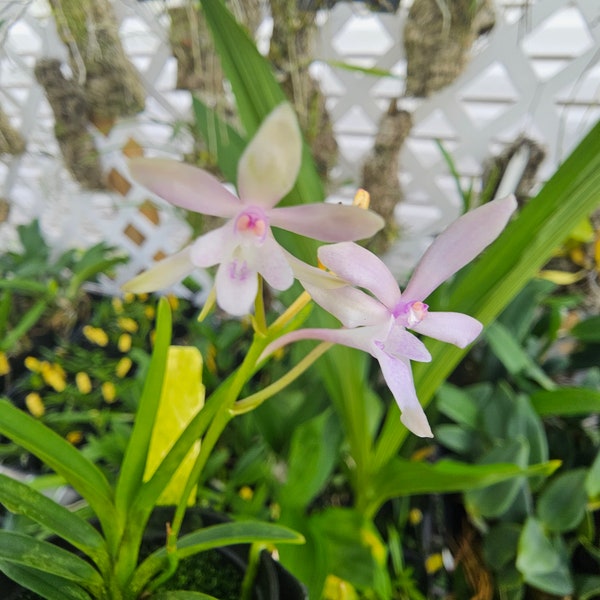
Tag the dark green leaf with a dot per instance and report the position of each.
(587, 330)
(562, 504)
(566, 401)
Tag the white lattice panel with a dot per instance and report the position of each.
(536, 73)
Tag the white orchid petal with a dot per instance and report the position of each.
(271, 262)
(162, 275)
(403, 344)
(454, 328)
(236, 287)
(213, 247)
(361, 338)
(363, 269)
(327, 222)
(459, 244)
(185, 186)
(270, 163)
(398, 376)
(352, 307)
(313, 276)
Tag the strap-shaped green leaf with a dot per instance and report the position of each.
(49, 558)
(402, 477)
(215, 536)
(60, 456)
(256, 89)
(45, 585)
(134, 462)
(20, 498)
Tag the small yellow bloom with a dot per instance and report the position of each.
(54, 376)
(246, 493)
(34, 404)
(4, 364)
(150, 312)
(124, 342)
(82, 380)
(173, 301)
(338, 589)
(109, 392)
(33, 364)
(415, 516)
(123, 367)
(362, 199)
(96, 335)
(128, 297)
(434, 563)
(74, 437)
(117, 304)
(127, 324)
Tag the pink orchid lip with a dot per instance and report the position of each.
(253, 224)
(411, 313)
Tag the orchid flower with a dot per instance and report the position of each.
(244, 246)
(378, 322)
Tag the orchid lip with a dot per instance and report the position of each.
(411, 313)
(253, 224)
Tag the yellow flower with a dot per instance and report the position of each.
(415, 516)
(4, 364)
(117, 304)
(124, 342)
(127, 324)
(434, 563)
(173, 301)
(123, 367)
(96, 335)
(34, 404)
(150, 312)
(54, 376)
(74, 437)
(33, 364)
(109, 392)
(128, 297)
(246, 493)
(84, 385)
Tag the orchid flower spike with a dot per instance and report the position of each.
(378, 322)
(245, 247)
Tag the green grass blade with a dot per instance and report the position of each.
(566, 402)
(488, 286)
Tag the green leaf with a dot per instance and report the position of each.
(49, 558)
(214, 536)
(514, 358)
(562, 504)
(60, 456)
(24, 500)
(500, 544)
(44, 584)
(223, 141)
(494, 500)
(536, 554)
(592, 482)
(488, 286)
(256, 90)
(566, 402)
(313, 454)
(587, 587)
(182, 595)
(458, 405)
(402, 477)
(134, 462)
(587, 330)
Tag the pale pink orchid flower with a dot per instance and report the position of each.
(378, 322)
(244, 246)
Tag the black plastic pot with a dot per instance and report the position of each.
(272, 581)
